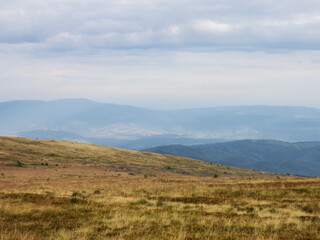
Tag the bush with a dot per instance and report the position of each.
(311, 207)
(96, 191)
(48, 193)
(160, 201)
(19, 164)
(139, 202)
(175, 222)
(250, 209)
(142, 201)
(77, 194)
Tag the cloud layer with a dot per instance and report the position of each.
(68, 25)
(161, 53)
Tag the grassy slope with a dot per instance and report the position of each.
(31, 152)
(83, 199)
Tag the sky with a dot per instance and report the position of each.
(162, 54)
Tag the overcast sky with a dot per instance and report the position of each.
(162, 54)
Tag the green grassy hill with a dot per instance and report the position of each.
(62, 154)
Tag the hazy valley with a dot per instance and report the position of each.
(116, 125)
(207, 134)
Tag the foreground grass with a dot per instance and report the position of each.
(100, 205)
(66, 199)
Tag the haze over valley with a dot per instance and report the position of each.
(139, 128)
(209, 134)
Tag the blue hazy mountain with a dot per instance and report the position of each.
(88, 121)
(301, 158)
(137, 144)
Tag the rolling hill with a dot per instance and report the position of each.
(67, 190)
(301, 158)
(23, 152)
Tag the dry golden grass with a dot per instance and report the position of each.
(57, 154)
(100, 200)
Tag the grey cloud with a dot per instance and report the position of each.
(83, 24)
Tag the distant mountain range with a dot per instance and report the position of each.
(133, 144)
(301, 158)
(137, 128)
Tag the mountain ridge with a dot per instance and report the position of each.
(300, 158)
(89, 120)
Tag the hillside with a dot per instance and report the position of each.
(33, 153)
(110, 124)
(265, 155)
(65, 190)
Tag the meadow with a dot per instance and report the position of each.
(64, 190)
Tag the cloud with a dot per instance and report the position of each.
(96, 24)
(166, 78)
(209, 26)
(164, 52)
